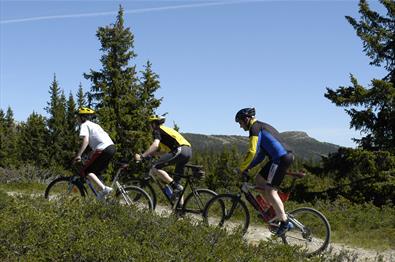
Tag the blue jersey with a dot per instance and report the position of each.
(264, 140)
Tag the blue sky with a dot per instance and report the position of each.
(212, 57)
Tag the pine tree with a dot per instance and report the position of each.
(148, 103)
(81, 97)
(71, 135)
(8, 138)
(57, 124)
(33, 141)
(3, 131)
(116, 89)
(372, 110)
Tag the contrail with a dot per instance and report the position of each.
(136, 11)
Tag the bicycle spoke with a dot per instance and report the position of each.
(134, 197)
(311, 230)
(229, 212)
(195, 202)
(62, 188)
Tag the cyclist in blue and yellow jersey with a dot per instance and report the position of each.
(173, 148)
(264, 141)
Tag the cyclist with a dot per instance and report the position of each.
(264, 141)
(103, 149)
(173, 148)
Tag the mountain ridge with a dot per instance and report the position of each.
(299, 142)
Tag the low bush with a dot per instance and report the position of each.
(33, 229)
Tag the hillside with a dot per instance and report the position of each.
(299, 142)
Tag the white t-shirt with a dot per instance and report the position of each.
(98, 138)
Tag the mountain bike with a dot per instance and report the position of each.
(77, 186)
(311, 229)
(194, 202)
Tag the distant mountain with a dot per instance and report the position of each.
(300, 143)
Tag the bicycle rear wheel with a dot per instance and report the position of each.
(311, 230)
(63, 187)
(195, 202)
(227, 211)
(146, 186)
(134, 197)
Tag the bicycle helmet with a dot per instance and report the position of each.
(86, 111)
(245, 112)
(158, 119)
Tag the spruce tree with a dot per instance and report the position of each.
(8, 139)
(116, 89)
(81, 97)
(57, 125)
(33, 141)
(3, 131)
(71, 131)
(372, 109)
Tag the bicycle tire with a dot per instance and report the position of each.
(216, 213)
(311, 230)
(136, 197)
(146, 186)
(64, 187)
(195, 202)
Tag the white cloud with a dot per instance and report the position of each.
(136, 11)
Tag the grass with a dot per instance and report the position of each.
(364, 226)
(33, 229)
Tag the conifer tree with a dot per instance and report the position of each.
(57, 124)
(33, 141)
(81, 97)
(372, 110)
(116, 89)
(71, 132)
(2, 136)
(8, 139)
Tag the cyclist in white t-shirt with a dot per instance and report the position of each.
(103, 149)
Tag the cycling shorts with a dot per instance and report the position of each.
(274, 171)
(178, 157)
(99, 161)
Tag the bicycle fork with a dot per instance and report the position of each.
(229, 214)
(124, 194)
(305, 231)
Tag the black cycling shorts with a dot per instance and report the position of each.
(179, 157)
(274, 171)
(99, 161)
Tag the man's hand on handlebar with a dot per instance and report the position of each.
(76, 159)
(138, 157)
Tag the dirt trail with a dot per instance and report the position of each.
(255, 234)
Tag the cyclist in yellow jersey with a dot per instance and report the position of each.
(173, 148)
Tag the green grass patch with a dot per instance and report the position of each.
(359, 225)
(33, 229)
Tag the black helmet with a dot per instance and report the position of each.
(245, 112)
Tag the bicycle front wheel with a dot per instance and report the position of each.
(146, 186)
(311, 230)
(227, 211)
(63, 187)
(134, 196)
(196, 201)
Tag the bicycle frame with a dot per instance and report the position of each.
(161, 186)
(115, 183)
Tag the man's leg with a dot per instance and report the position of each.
(271, 196)
(96, 180)
(162, 175)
